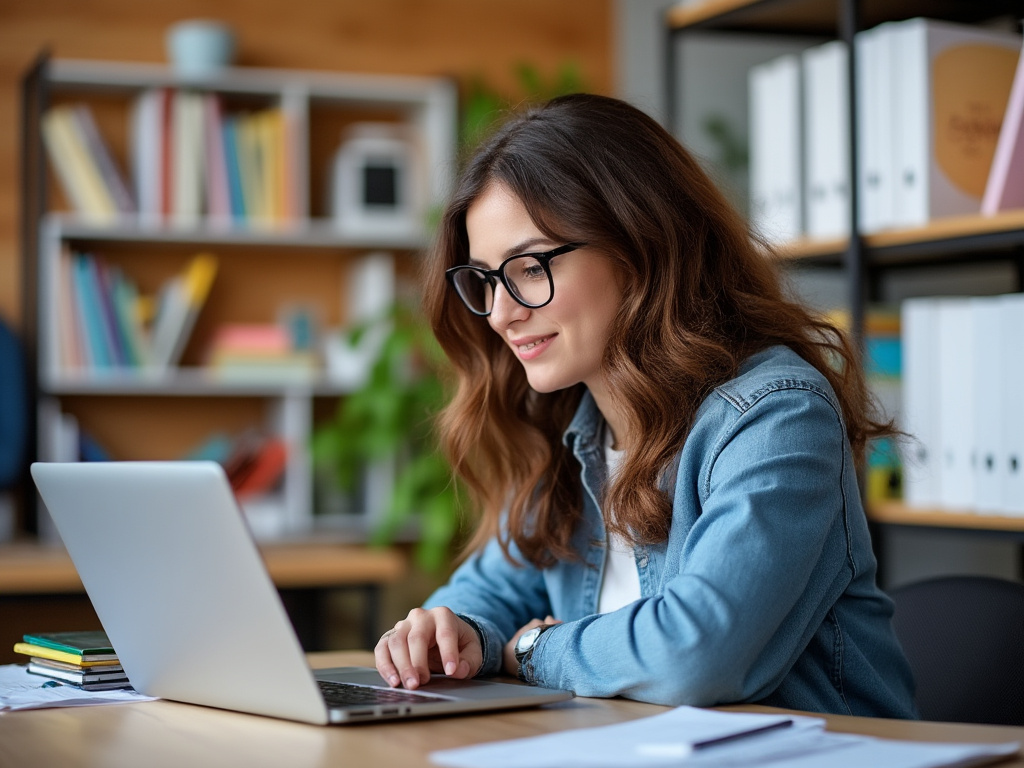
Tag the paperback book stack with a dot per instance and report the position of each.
(85, 659)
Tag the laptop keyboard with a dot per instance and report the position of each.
(346, 694)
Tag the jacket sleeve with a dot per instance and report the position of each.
(754, 577)
(497, 596)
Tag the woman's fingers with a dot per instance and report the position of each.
(424, 642)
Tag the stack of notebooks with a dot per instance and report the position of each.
(85, 659)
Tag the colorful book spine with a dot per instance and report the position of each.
(90, 317)
(231, 158)
(76, 169)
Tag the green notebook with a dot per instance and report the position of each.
(81, 643)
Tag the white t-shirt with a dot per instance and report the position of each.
(621, 583)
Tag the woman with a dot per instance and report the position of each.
(663, 446)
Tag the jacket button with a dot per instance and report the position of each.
(642, 562)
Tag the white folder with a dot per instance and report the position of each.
(874, 131)
(826, 130)
(946, 78)
(919, 404)
(989, 460)
(956, 397)
(1012, 399)
(776, 183)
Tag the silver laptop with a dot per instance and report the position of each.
(177, 581)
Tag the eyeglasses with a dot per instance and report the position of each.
(526, 277)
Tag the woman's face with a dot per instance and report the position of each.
(562, 343)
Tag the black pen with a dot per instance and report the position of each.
(685, 749)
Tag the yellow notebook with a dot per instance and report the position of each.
(39, 651)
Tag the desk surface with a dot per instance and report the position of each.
(164, 733)
(27, 569)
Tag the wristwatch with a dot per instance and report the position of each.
(525, 645)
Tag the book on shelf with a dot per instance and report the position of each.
(103, 323)
(259, 352)
(187, 149)
(113, 178)
(148, 152)
(193, 159)
(217, 189)
(256, 464)
(1004, 188)
(179, 304)
(76, 168)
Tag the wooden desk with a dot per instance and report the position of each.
(303, 572)
(162, 733)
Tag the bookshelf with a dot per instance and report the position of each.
(298, 258)
(865, 259)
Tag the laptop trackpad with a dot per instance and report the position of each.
(481, 690)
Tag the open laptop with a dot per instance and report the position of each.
(178, 583)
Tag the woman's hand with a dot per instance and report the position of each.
(428, 641)
(509, 652)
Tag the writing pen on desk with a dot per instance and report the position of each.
(684, 749)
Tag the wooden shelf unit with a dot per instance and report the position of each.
(959, 239)
(303, 261)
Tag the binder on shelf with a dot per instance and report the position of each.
(1004, 188)
(826, 129)
(874, 132)
(951, 84)
(957, 392)
(919, 406)
(776, 178)
(1009, 393)
(988, 407)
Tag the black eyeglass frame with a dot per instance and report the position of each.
(544, 259)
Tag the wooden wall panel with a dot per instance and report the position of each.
(461, 38)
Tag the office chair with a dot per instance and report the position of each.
(964, 639)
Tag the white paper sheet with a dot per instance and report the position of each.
(662, 740)
(20, 690)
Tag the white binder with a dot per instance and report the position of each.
(919, 406)
(1012, 397)
(950, 86)
(874, 132)
(776, 183)
(989, 460)
(956, 397)
(826, 130)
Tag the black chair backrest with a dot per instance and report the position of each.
(964, 639)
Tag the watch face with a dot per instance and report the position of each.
(526, 640)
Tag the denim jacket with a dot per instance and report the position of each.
(764, 591)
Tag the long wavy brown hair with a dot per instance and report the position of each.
(700, 294)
